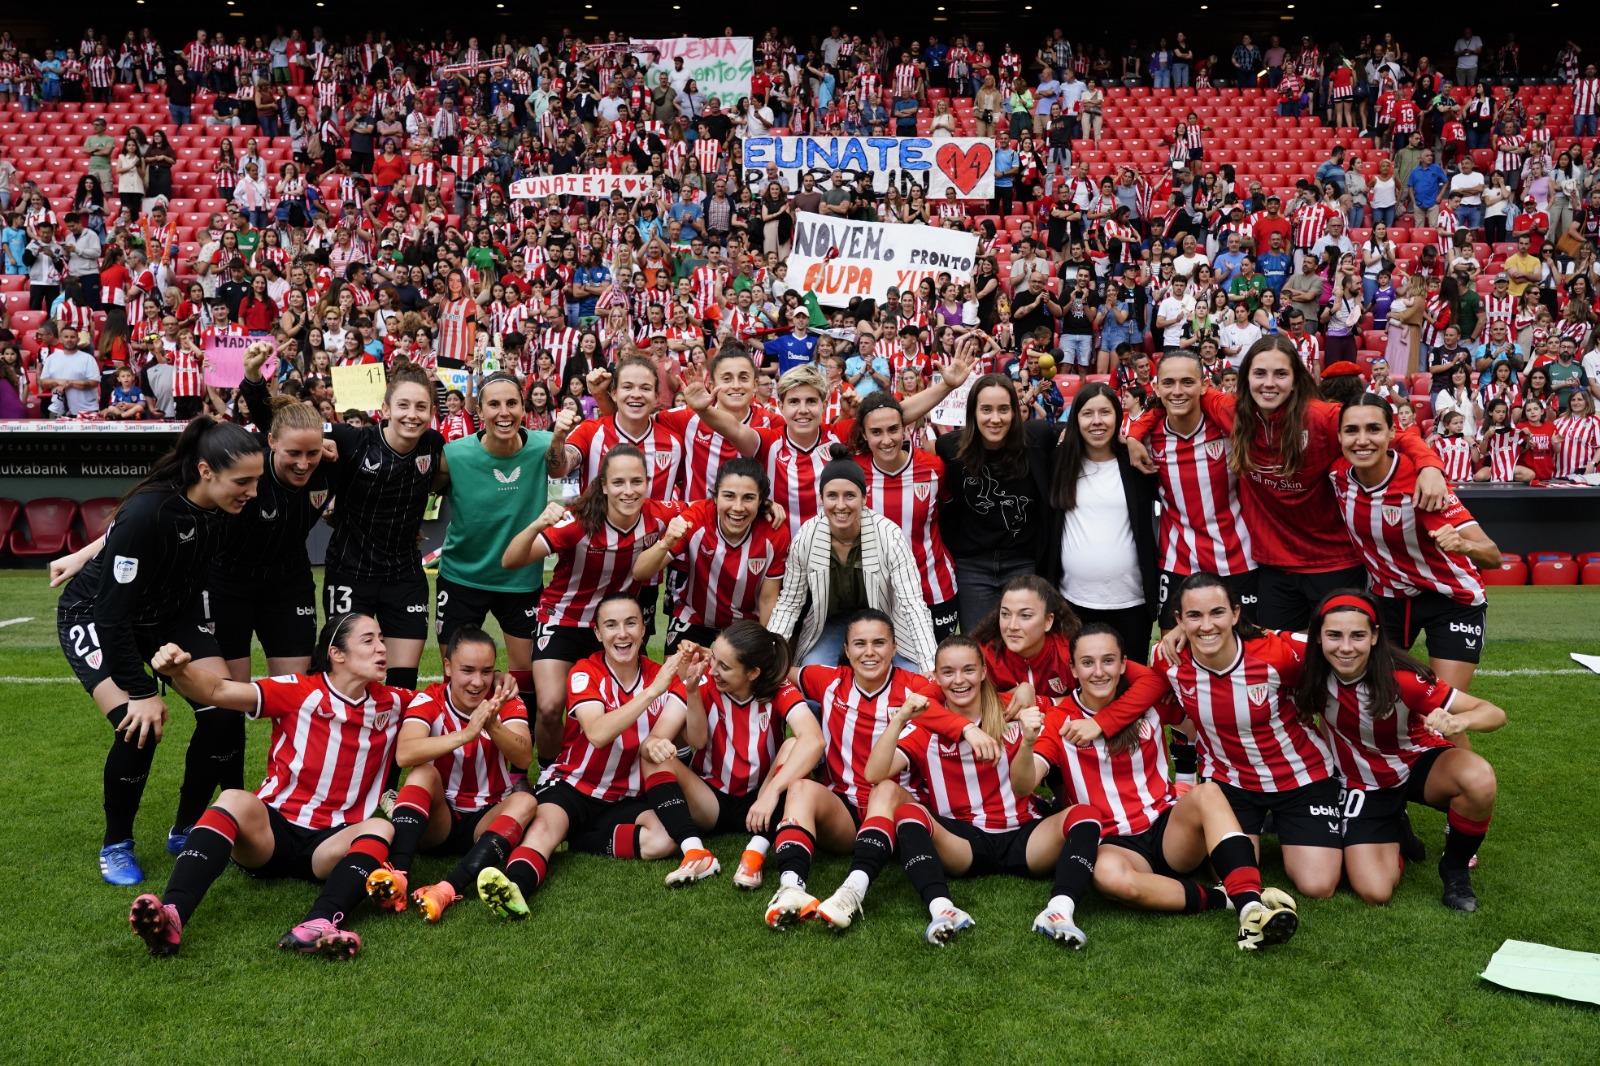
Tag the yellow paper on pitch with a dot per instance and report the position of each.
(359, 387)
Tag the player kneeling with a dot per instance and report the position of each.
(462, 750)
(591, 796)
(980, 822)
(1154, 842)
(735, 718)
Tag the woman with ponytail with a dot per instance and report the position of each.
(144, 590)
(337, 723)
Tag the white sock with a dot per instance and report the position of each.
(1191, 779)
(691, 844)
(759, 845)
(790, 879)
(1061, 905)
(943, 903)
(858, 881)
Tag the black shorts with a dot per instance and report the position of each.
(1455, 631)
(946, 618)
(590, 822)
(733, 810)
(679, 631)
(1246, 586)
(292, 848)
(80, 642)
(399, 604)
(994, 853)
(1148, 845)
(569, 644)
(1308, 816)
(284, 617)
(463, 831)
(1377, 815)
(1287, 597)
(457, 605)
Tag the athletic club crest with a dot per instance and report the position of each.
(1391, 516)
(1257, 693)
(1214, 450)
(1058, 686)
(424, 463)
(1147, 729)
(94, 659)
(662, 460)
(380, 720)
(318, 497)
(757, 567)
(544, 642)
(762, 720)
(924, 490)
(1013, 732)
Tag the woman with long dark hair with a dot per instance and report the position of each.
(143, 590)
(1103, 521)
(1284, 441)
(995, 497)
(1390, 722)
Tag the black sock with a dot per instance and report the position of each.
(665, 795)
(792, 851)
(127, 769)
(526, 868)
(347, 884)
(874, 845)
(1199, 898)
(914, 845)
(410, 818)
(1234, 859)
(215, 760)
(491, 849)
(1075, 864)
(1462, 837)
(1185, 759)
(204, 857)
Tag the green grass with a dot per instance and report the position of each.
(613, 968)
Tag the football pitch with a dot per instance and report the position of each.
(614, 968)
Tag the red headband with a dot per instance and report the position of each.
(1351, 603)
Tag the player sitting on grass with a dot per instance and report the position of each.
(462, 752)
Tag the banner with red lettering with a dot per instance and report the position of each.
(588, 186)
(934, 164)
(720, 66)
(840, 259)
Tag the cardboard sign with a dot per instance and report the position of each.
(720, 66)
(359, 387)
(935, 165)
(224, 365)
(588, 186)
(840, 260)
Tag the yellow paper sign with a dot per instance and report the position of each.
(359, 387)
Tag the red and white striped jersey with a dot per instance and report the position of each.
(1309, 345)
(1455, 452)
(853, 720)
(792, 471)
(458, 322)
(1506, 157)
(724, 579)
(507, 318)
(663, 452)
(186, 373)
(1374, 752)
(1128, 789)
(475, 775)
(1499, 309)
(1503, 451)
(1585, 96)
(909, 498)
(905, 79)
(1311, 223)
(102, 71)
(562, 343)
(704, 449)
(708, 153)
(79, 316)
(329, 753)
(742, 739)
(611, 773)
(456, 426)
(591, 566)
(1446, 227)
(1251, 734)
(1202, 526)
(948, 778)
(1580, 440)
(868, 86)
(1394, 535)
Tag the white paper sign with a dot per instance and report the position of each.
(842, 259)
(720, 66)
(934, 164)
(589, 186)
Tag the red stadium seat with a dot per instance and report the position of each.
(95, 516)
(1555, 573)
(1507, 573)
(49, 523)
(1585, 558)
(9, 509)
(1591, 573)
(1549, 557)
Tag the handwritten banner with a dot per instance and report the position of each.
(720, 66)
(589, 186)
(965, 164)
(224, 365)
(841, 260)
(359, 387)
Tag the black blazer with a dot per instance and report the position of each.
(1140, 490)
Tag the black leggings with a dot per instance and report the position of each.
(1131, 623)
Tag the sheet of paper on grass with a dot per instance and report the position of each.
(1591, 661)
(1546, 971)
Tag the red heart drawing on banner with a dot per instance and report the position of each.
(964, 166)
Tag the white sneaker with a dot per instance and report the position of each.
(1060, 927)
(697, 865)
(1271, 921)
(841, 908)
(946, 924)
(748, 875)
(790, 905)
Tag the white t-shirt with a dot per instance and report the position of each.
(62, 365)
(1239, 339)
(1172, 310)
(1470, 181)
(1184, 266)
(1099, 563)
(1381, 192)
